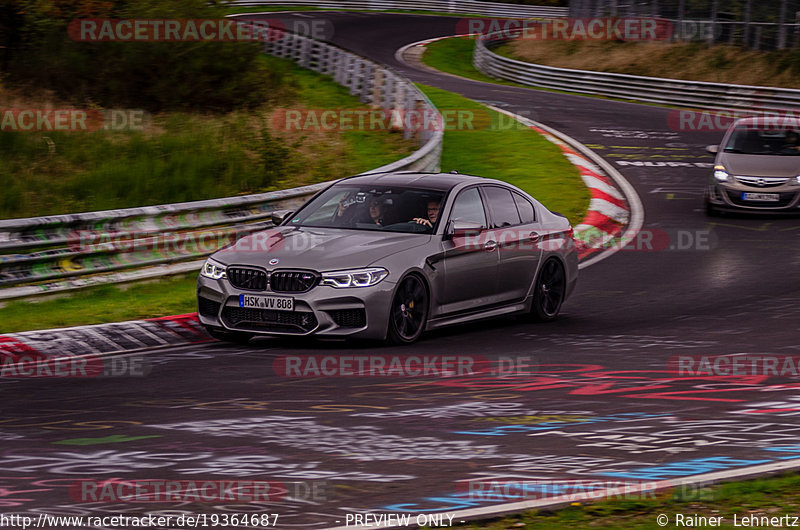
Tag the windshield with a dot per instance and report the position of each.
(392, 209)
(751, 141)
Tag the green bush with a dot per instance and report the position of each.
(156, 76)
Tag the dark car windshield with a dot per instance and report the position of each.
(750, 140)
(391, 209)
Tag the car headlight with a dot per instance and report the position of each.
(354, 277)
(720, 174)
(213, 269)
(796, 180)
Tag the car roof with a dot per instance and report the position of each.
(433, 181)
(768, 122)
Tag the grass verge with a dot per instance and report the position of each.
(105, 303)
(454, 56)
(497, 147)
(494, 147)
(764, 497)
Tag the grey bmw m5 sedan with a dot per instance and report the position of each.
(388, 256)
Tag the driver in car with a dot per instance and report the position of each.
(792, 141)
(433, 215)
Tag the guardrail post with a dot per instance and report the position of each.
(377, 87)
(368, 78)
(304, 58)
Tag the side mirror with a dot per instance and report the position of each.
(463, 229)
(279, 216)
(713, 149)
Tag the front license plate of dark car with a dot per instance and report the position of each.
(765, 197)
(276, 303)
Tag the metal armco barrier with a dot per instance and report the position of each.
(694, 94)
(491, 9)
(78, 250)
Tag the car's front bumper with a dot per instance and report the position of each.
(724, 197)
(361, 312)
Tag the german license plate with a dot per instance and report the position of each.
(766, 197)
(276, 303)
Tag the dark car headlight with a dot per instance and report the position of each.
(354, 277)
(213, 270)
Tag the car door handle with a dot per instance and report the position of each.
(490, 245)
(533, 236)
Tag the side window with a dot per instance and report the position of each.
(502, 206)
(469, 207)
(525, 209)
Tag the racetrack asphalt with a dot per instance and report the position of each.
(598, 397)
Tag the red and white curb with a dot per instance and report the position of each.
(615, 212)
(608, 211)
(103, 339)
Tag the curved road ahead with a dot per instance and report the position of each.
(599, 400)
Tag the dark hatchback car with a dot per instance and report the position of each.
(388, 256)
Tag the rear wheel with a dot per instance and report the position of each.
(409, 312)
(549, 292)
(235, 337)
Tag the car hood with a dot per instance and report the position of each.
(761, 165)
(320, 249)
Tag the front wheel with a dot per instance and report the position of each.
(711, 211)
(409, 312)
(549, 291)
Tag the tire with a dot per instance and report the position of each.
(549, 291)
(711, 211)
(234, 337)
(409, 311)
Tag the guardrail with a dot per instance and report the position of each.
(681, 93)
(492, 9)
(78, 250)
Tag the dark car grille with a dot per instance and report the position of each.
(785, 199)
(762, 182)
(207, 308)
(244, 278)
(269, 320)
(349, 318)
(292, 281)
